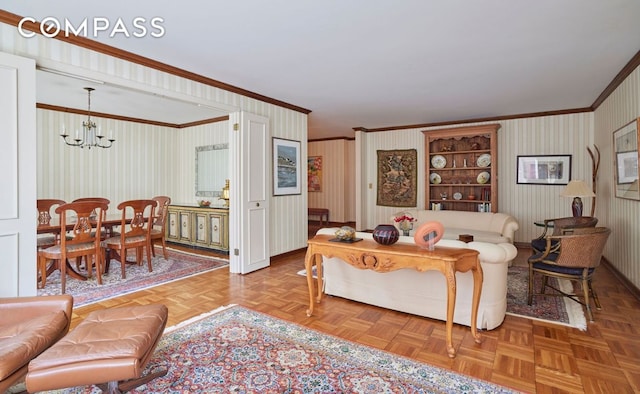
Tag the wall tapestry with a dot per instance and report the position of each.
(314, 173)
(397, 177)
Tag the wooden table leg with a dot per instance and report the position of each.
(308, 266)
(450, 276)
(477, 291)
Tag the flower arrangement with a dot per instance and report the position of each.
(405, 222)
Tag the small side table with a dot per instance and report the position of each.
(322, 213)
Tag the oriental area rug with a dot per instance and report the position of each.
(560, 310)
(179, 265)
(238, 350)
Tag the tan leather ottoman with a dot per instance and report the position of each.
(109, 346)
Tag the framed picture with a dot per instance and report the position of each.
(544, 170)
(286, 167)
(397, 178)
(625, 144)
(314, 173)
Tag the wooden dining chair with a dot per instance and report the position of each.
(158, 229)
(135, 233)
(82, 240)
(44, 217)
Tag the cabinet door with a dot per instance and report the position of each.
(185, 226)
(201, 232)
(215, 230)
(173, 229)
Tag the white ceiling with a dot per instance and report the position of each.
(378, 63)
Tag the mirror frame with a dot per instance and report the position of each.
(210, 193)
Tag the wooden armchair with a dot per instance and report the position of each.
(135, 233)
(559, 226)
(575, 257)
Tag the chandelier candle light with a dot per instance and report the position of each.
(91, 134)
(405, 223)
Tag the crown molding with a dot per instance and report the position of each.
(13, 19)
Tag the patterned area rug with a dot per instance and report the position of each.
(179, 265)
(238, 350)
(559, 310)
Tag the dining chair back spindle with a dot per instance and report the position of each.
(158, 230)
(82, 240)
(44, 217)
(135, 233)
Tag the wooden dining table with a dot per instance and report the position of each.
(53, 227)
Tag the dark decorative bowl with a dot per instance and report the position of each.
(386, 234)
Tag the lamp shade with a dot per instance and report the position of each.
(577, 188)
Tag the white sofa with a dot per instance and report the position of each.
(484, 226)
(425, 293)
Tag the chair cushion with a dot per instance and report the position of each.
(540, 244)
(23, 341)
(559, 269)
(115, 241)
(73, 248)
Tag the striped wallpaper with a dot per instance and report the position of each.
(623, 216)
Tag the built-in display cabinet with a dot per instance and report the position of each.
(461, 168)
(197, 226)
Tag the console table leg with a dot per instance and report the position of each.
(477, 291)
(450, 276)
(308, 266)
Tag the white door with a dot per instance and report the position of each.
(249, 193)
(18, 164)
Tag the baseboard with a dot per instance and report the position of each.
(623, 279)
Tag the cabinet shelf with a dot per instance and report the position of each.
(460, 146)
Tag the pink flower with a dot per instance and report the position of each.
(403, 218)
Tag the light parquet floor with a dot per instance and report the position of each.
(523, 354)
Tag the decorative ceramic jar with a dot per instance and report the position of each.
(386, 234)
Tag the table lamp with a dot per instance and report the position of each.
(225, 193)
(577, 189)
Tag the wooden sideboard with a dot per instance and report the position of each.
(196, 226)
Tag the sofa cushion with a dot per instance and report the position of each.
(21, 342)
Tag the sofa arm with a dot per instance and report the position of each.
(509, 228)
(18, 309)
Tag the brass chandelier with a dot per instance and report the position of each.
(91, 135)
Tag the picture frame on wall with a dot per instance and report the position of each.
(314, 173)
(286, 167)
(544, 170)
(626, 146)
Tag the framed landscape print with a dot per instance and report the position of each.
(286, 167)
(544, 170)
(625, 145)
